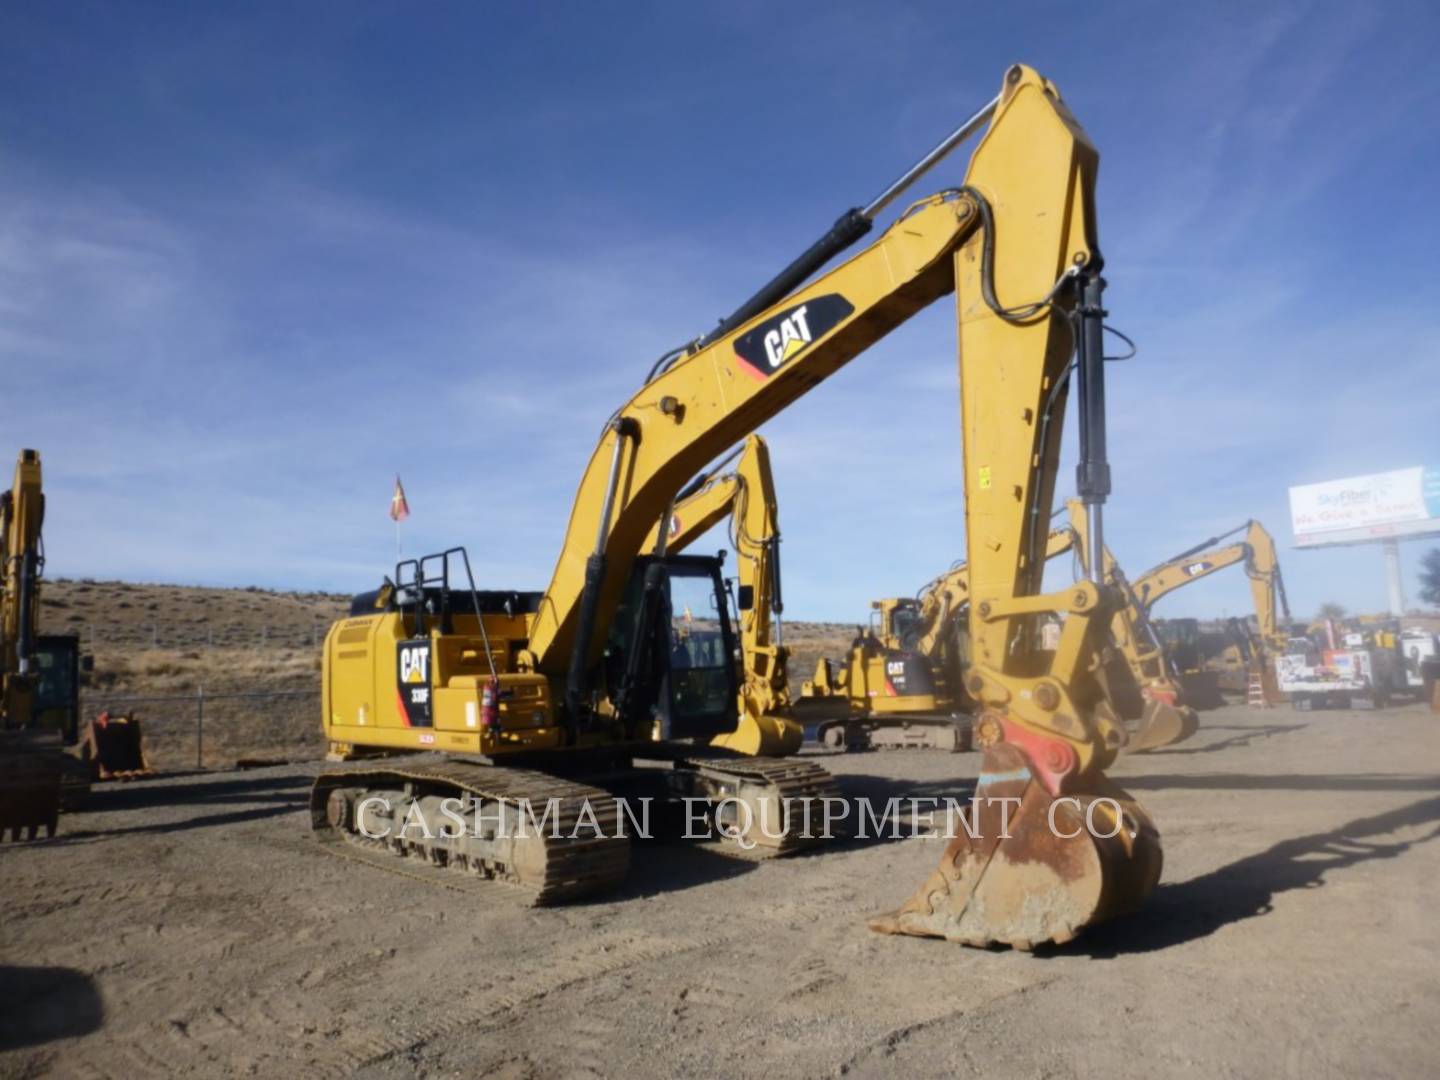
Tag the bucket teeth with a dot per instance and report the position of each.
(1025, 869)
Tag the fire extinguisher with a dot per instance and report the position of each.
(490, 705)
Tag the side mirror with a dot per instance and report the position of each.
(746, 599)
(87, 663)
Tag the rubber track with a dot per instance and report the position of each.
(573, 867)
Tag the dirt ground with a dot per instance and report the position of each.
(190, 926)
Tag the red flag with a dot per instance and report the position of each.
(399, 508)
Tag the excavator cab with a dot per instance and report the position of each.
(897, 622)
(57, 685)
(672, 634)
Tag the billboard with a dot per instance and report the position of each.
(1383, 506)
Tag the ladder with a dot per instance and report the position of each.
(1255, 691)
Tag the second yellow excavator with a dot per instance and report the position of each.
(903, 680)
(746, 496)
(1245, 654)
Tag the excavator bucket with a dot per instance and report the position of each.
(115, 748)
(1162, 723)
(1025, 868)
(763, 736)
(30, 773)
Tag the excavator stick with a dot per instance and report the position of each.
(1026, 868)
(1078, 849)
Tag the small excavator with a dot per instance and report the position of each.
(39, 674)
(898, 685)
(1243, 653)
(746, 496)
(580, 693)
(904, 679)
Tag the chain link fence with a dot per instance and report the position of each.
(161, 635)
(204, 730)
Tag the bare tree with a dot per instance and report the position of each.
(1430, 577)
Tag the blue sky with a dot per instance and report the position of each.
(255, 259)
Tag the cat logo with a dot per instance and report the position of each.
(412, 674)
(792, 336)
(772, 344)
(1197, 568)
(415, 664)
(894, 678)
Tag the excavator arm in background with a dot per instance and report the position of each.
(1267, 589)
(936, 637)
(747, 497)
(944, 598)
(22, 513)
(1164, 718)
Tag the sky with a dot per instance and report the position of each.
(257, 259)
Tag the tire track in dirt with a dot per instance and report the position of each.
(256, 1033)
(892, 1040)
(490, 1011)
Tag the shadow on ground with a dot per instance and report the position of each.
(1245, 738)
(660, 866)
(42, 1004)
(1247, 888)
(243, 798)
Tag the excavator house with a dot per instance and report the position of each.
(618, 676)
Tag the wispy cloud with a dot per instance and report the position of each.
(282, 271)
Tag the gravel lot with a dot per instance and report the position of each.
(190, 925)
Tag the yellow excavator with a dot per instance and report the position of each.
(39, 673)
(574, 695)
(746, 496)
(904, 679)
(1244, 653)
